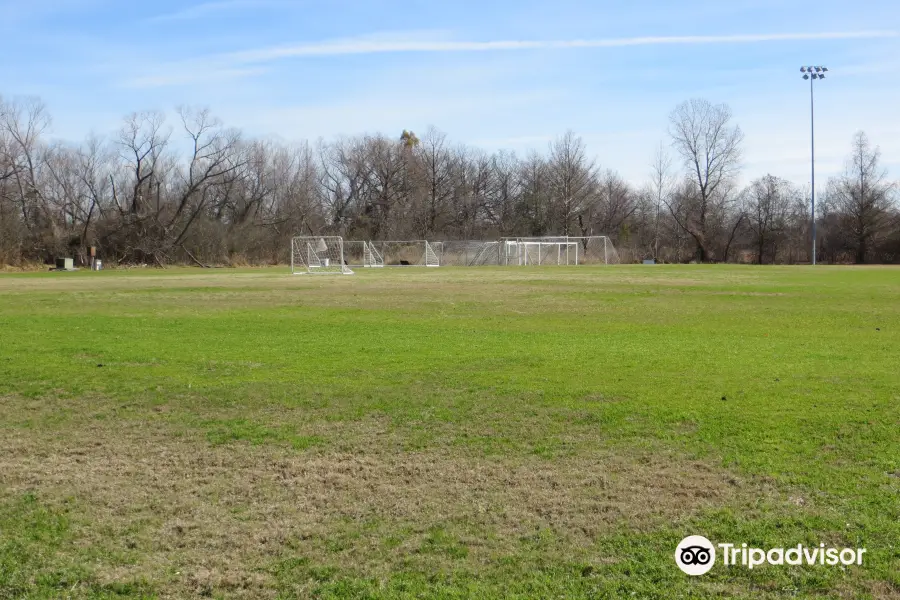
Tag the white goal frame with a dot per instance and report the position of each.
(408, 253)
(559, 251)
(371, 256)
(511, 251)
(362, 254)
(318, 255)
(548, 253)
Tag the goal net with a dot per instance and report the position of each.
(471, 253)
(332, 254)
(548, 253)
(362, 254)
(559, 251)
(318, 255)
(371, 256)
(414, 253)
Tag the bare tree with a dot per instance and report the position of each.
(345, 178)
(661, 184)
(386, 190)
(22, 124)
(571, 177)
(435, 168)
(474, 179)
(12, 227)
(504, 194)
(142, 140)
(709, 147)
(536, 197)
(8, 164)
(214, 159)
(611, 205)
(767, 201)
(293, 205)
(864, 195)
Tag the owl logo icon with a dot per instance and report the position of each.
(695, 555)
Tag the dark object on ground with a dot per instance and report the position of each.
(724, 398)
(404, 263)
(64, 264)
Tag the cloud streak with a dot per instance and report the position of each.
(367, 46)
(240, 64)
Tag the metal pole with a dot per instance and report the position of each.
(812, 139)
(656, 233)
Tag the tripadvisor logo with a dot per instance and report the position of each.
(696, 555)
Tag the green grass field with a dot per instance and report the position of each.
(441, 433)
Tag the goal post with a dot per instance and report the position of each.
(469, 253)
(408, 253)
(371, 256)
(549, 253)
(324, 254)
(432, 258)
(361, 253)
(559, 251)
(318, 255)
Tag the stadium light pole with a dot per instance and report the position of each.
(812, 74)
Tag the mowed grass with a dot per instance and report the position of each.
(446, 433)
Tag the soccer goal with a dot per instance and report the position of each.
(371, 256)
(361, 254)
(559, 251)
(548, 253)
(411, 253)
(469, 253)
(318, 255)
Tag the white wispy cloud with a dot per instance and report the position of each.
(369, 46)
(234, 64)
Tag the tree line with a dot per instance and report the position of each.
(195, 191)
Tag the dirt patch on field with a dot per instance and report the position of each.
(194, 519)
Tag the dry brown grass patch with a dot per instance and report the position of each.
(191, 518)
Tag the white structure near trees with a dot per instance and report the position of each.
(318, 255)
(324, 254)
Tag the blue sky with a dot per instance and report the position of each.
(494, 74)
